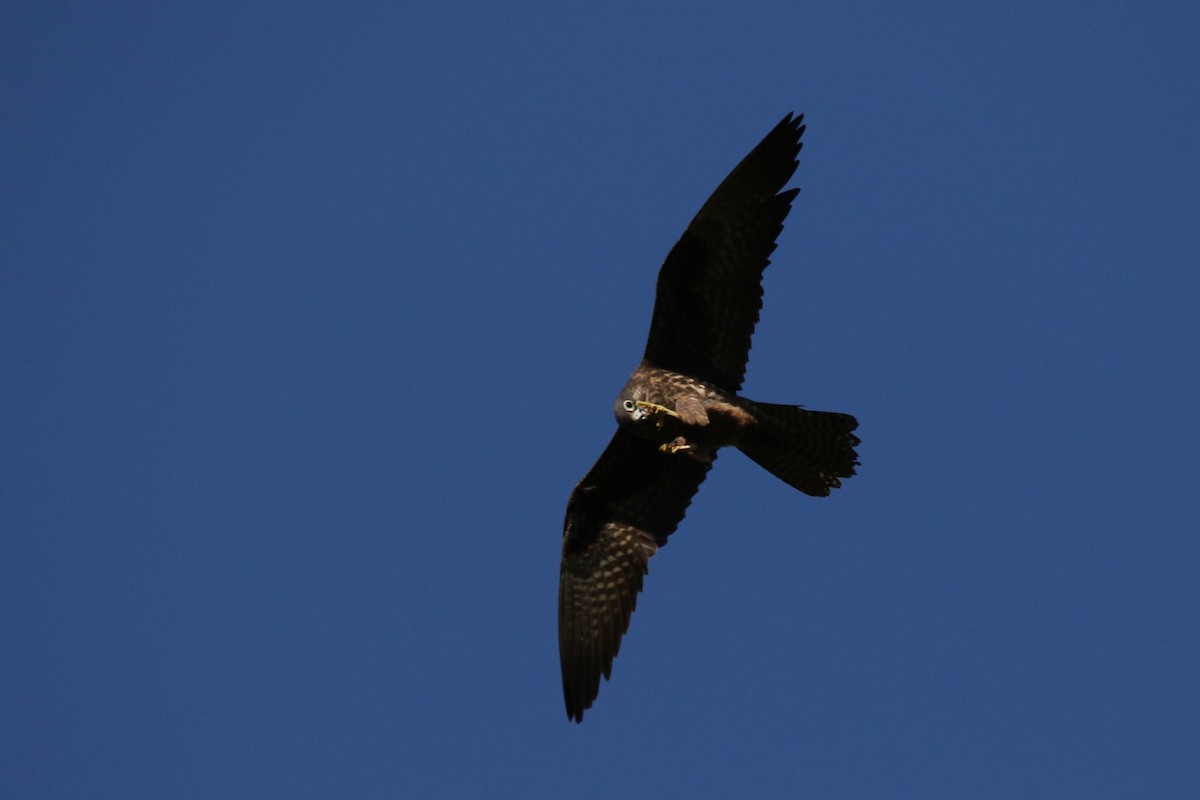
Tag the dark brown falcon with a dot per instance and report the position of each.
(680, 406)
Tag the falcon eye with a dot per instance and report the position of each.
(629, 406)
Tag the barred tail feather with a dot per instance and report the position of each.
(809, 450)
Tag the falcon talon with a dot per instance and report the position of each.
(654, 408)
(680, 445)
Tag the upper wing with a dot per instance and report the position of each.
(709, 288)
(617, 517)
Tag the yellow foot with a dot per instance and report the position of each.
(679, 445)
(652, 409)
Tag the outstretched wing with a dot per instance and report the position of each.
(710, 286)
(618, 516)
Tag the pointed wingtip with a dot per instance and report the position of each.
(793, 120)
(575, 707)
(790, 129)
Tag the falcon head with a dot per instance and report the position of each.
(642, 414)
(630, 410)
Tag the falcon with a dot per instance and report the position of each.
(680, 406)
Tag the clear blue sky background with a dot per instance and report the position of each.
(312, 315)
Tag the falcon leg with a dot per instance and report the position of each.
(682, 445)
(679, 445)
(654, 409)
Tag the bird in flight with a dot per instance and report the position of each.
(680, 406)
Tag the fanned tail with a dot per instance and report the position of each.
(809, 450)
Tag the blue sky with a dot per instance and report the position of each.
(311, 316)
